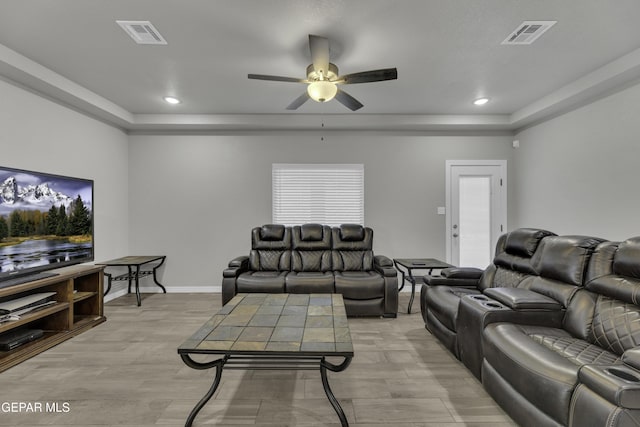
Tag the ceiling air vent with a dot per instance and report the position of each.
(528, 32)
(142, 32)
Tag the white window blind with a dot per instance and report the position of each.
(330, 194)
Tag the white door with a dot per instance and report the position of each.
(476, 210)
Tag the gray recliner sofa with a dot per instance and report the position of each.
(440, 296)
(315, 258)
(584, 370)
(562, 347)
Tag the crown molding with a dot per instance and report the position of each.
(21, 71)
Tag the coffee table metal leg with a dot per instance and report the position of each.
(218, 364)
(324, 365)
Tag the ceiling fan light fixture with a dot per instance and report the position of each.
(322, 90)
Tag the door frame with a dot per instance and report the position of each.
(502, 164)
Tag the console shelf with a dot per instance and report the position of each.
(79, 306)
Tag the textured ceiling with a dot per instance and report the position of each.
(447, 53)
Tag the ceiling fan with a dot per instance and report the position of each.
(323, 78)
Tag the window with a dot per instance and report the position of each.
(330, 194)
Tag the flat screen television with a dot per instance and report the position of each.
(46, 222)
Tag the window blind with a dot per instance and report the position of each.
(330, 194)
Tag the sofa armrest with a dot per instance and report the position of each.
(523, 299)
(384, 266)
(382, 261)
(241, 261)
(471, 273)
(466, 277)
(236, 266)
(619, 384)
(631, 357)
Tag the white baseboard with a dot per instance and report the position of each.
(115, 293)
(122, 290)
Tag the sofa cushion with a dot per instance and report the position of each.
(506, 278)
(616, 325)
(601, 262)
(271, 237)
(524, 241)
(312, 232)
(618, 271)
(266, 260)
(625, 262)
(311, 261)
(352, 260)
(561, 263)
(359, 284)
(311, 237)
(576, 350)
(352, 237)
(261, 281)
(514, 263)
(543, 375)
(351, 232)
(272, 232)
(309, 282)
(311, 245)
(565, 258)
(519, 247)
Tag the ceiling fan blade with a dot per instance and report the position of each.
(370, 76)
(348, 101)
(319, 47)
(298, 101)
(276, 78)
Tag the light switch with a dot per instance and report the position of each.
(441, 210)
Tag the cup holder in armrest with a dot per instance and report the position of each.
(479, 297)
(493, 304)
(627, 376)
(618, 384)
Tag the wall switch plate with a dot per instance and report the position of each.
(441, 210)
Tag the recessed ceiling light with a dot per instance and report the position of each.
(480, 101)
(171, 100)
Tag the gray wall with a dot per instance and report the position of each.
(37, 134)
(579, 173)
(196, 198)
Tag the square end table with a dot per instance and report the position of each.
(410, 264)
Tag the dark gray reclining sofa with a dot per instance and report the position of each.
(439, 301)
(562, 346)
(314, 258)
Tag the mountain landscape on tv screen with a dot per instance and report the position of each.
(43, 220)
(31, 195)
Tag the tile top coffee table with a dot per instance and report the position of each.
(273, 331)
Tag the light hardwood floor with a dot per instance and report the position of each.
(126, 372)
